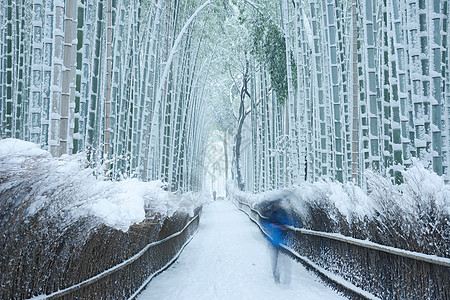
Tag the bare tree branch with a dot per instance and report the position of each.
(231, 93)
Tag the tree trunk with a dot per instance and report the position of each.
(238, 136)
(225, 151)
(55, 106)
(107, 136)
(355, 122)
(237, 154)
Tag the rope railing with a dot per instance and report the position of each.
(370, 245)
(186, 233)
(405, 253)
(369, 269)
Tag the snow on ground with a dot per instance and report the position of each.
(67, 187)
(230, 259)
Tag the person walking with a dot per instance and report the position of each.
(276, 221)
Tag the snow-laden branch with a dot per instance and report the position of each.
(164, 78)
(175, 48)
(231, 92)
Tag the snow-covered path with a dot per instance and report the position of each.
(230, 259)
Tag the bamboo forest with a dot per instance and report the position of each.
(331, 88)
(343, 105)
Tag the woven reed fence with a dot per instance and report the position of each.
(106, 264)
(127, 279)
(370, 270)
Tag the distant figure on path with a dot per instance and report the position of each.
(214, 195)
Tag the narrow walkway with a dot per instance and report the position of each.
(229, 259)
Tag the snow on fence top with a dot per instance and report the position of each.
(66, 187)
(413, 215)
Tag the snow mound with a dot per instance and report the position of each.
(70, 190)
(18, 149)
(348, 199)
(413, 215)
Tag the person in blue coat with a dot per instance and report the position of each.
(276, 220)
